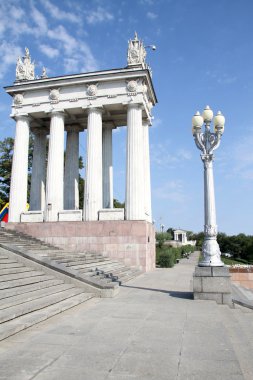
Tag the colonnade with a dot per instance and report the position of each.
(55, 188)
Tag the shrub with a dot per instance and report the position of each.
(166, 260)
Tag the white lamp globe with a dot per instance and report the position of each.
(219, 120)
(197, 122)
(207, 114)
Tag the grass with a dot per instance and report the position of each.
(227, 260)
(231, 261)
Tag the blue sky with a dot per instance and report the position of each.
(204, 56)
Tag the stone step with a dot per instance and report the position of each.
(81, 268)
(29, 288)
(71, 259)
(114, 266)
(28, 307)
(79, 265)
(14, 270)
(3, 257)
(19, 276)
(30, 296)
(14, 326)
(15, 264)
(82, 261)
(7, 261)
(24, 281)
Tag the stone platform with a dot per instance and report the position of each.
(131, 242)
(152, 330)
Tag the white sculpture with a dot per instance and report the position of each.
(44, 73)
(136, 54)
(25, 68)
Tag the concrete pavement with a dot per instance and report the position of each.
(151, 330)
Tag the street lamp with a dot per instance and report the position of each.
(207, 142)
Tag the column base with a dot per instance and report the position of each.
(32, 216)
(111, 214)
(70, 216)
(212, 283)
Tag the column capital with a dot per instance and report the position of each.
(98, 109)
(56, 111)
(22, 116)
(134, 105)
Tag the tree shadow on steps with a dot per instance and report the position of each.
(171, 293)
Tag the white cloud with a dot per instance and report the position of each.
(237, 160)
(99, 15)
(78, 55)
(163, 155)
(40, 20)
(151, 15)
(60, 34)
(221, 77)
(49, 51)
(9, 54)
(243, 158)
(172, 190)
(156, 122)
(17, 13)
(59, 14)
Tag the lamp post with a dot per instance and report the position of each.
(207, 142)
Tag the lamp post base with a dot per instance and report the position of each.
(211, 254)
(212, 284)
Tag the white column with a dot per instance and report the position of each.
(107, 167)
(134, 170)
(210, 249)
(37, 195)
(147, 184)
(93, 181)
(19, 174)
(71, 174)
(55, 167)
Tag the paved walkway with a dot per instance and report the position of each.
(151, 330)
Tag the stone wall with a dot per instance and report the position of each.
(242, 276)
(132, 242)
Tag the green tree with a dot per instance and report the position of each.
(118, 204)
(81, 184)
(6, 154)
(171, 232)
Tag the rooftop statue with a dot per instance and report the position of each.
(24, 67)
(136, 54)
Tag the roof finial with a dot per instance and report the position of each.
(24, 67)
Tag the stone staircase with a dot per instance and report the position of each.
(94, 269)
(29, 296)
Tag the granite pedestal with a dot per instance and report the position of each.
(212, 283)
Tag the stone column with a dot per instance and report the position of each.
(37, 196)
(55, 167)
(147, 184)
(71, 175)
(134, 171)
(93, 181)
(107, 167)
(19, 173)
